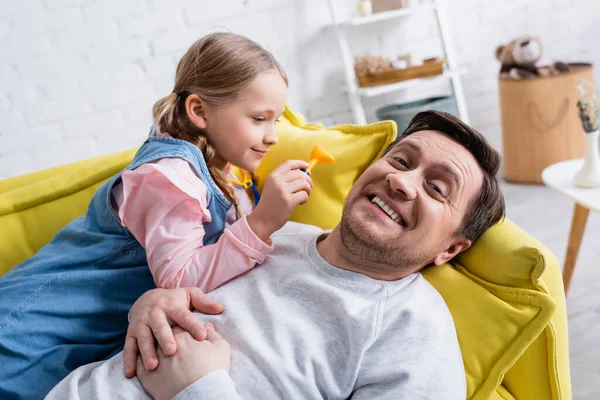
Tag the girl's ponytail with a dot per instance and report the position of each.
(164, 113)
(217, 174)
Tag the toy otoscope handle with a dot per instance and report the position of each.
(312, 163)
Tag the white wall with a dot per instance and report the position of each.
(78, 77)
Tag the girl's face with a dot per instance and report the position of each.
(243, 131)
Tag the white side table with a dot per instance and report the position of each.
(559, 177)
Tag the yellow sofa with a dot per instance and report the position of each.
(505, 293)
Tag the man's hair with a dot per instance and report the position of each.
(487, 208)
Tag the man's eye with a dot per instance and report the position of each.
(401, 161)
(437, 189)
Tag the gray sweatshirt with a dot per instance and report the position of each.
(300, 328)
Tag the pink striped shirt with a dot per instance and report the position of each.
(164, 206)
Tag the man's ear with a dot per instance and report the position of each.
(196, 108)
(459, 245)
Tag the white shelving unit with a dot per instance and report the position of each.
(356, 94)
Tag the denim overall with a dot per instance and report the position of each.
(67, 306)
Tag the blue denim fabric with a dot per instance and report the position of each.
(67, 305)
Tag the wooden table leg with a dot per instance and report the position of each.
(580, 216)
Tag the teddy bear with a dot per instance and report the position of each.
(519, 58)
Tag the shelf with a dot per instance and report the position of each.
(357, 95)
(393, 87)
(387, 15)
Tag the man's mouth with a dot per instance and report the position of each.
(389, 211)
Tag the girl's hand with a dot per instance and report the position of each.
(151, 318)
(285, 188)
(193, 360)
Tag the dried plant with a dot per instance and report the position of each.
(588, 104)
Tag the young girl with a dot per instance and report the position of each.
(67, 306)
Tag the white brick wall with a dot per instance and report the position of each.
(78, 78)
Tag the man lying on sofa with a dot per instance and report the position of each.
(340, 314)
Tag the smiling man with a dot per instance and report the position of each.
(340, 314)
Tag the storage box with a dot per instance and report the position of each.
(403, 113)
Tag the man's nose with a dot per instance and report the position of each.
(403, 183)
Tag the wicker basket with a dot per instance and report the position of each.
(540, 122)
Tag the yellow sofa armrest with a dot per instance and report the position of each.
(34, 207)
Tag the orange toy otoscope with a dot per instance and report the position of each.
(318, 154)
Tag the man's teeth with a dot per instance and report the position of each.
(393, 215)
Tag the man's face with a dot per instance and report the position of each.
(404, 211)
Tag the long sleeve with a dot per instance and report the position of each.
(164, 206)
(214, 386)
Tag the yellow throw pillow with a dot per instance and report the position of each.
(355, 147)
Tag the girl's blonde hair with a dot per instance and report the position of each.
(217, 68)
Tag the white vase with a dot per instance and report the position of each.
(589, 175)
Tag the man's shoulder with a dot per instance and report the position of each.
(418, 328)
(292, 240)
(424, 292)
(422, 305)
(418, 317)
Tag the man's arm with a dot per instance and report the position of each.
(102, 380)
(178, 375)
(215, 386)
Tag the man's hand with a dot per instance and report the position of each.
(193, 360)
(152, 316)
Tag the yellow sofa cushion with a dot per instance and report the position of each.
(355, 147)
(34, 207)
(502, 308)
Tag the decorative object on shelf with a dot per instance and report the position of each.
(399, 64)
(519, 58)
(588, 104)
(374, 71)
(412, 59)
(389, 5)
(371, 65)
(364, 7)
